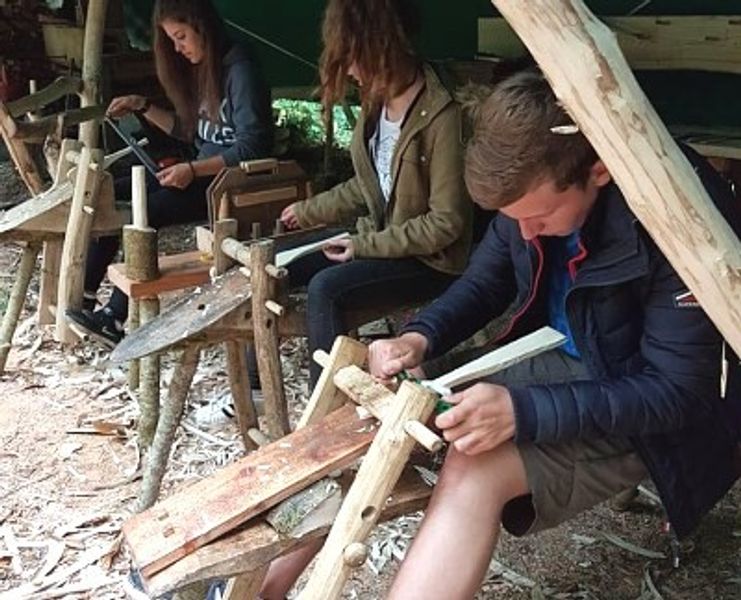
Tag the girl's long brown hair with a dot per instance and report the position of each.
(376, 36)
(190, 87)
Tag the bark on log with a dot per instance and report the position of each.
(603, 97)
(132, 324)
(140, 250)
(172, 412)
(92, 67)
(149, 380)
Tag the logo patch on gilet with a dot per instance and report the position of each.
(686, 300)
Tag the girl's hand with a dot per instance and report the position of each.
(178, 176)
(339, 250)
(123, 105)
(288, 217)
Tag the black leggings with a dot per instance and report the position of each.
(165, 206)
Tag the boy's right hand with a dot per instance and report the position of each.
(386, 358)
(123, 105)
(288, 217)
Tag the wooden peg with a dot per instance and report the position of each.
(276, 272)
(321, 358)
(256, 230)
(431, 441)
(274, 307)
(355, 554)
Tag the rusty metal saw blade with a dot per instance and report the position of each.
(187, 317)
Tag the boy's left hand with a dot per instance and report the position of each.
(481, 419)
(339, 250)
(177, 176)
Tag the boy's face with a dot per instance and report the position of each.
(546, 211)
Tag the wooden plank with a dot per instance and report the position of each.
(35, 132)
(708, 43)
(188, 316)
(202, 512)
(658, 182)
(257, 544)
(177, 272)
(62, 86)
(265, 196)
(378, 474)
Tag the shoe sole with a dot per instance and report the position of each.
(85, 334)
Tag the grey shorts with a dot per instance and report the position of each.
(565, 478)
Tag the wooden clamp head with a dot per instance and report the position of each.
(326, 396)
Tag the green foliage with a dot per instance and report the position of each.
(303, 120)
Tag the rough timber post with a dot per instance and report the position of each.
(140, 252)
(659, 184)
(92, 67)
(76, 242)
(266, 339)
(376, 478)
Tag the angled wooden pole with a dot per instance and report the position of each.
(582, 61)
(376, 478)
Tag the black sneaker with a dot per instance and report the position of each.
(101, 325)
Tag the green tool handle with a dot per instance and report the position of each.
(441, 406)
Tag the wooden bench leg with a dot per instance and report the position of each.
(266, 340)
(236, 366)
(172, 413)
(149, 379)
(16, 300)
(48, 286)
(132, 324)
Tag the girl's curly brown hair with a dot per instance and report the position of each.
(376, 36)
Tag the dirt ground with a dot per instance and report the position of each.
(68, 452)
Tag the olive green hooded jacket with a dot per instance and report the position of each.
(429, 212)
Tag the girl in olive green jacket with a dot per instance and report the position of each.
(411, 211)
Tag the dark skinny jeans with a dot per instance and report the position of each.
(165, 206)
(334, 288)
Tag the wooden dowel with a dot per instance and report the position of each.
(139, 197)
(321, 357)
(236, 250)
(274, 307)
(424, 436)
(276, 272)
(256, 230)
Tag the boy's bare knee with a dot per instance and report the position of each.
(500, 471)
